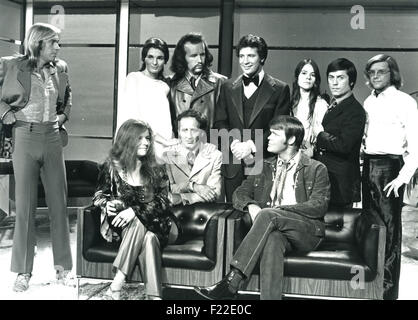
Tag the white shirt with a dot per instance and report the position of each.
(251, 88)
(392, 128)
(146, 99)
(289, 195)
(302, 113)
(42, 105)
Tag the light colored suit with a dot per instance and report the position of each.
(206, 170)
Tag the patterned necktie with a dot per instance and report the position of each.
(276, 193)
(247, 80)
(190, 159)
(193, 82)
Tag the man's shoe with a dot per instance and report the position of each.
(22, 282)
(223, 290)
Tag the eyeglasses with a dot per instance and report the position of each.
(377, 73)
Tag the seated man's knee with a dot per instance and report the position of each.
(266, 213)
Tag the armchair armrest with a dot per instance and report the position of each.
(370, 237)
(214, 236)
(89, 220)
(204, 221)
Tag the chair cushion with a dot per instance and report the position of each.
(332, 260)
(349, 248)
(187, 255)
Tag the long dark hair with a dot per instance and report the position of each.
(155, 43)
(178, 62)
(313, 93)
(123, 154)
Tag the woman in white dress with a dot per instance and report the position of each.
(145, 96)
(307, 104)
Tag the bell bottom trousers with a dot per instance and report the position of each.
(273, 233)
(38, 152)
(138, 243)
(378, 171)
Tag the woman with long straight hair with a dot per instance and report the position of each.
(145, 96)
(132, 193)
(306, 102)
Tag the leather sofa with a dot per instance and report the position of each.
(347, 264)
(353, 249)
(197, 257)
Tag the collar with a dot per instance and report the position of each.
(195, 151)
(293, 161)
(189, 76)
(385, 92)
(339, 100)
(260, 76)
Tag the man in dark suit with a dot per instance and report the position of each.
(247, 105)
(287, 202)
(338, 145)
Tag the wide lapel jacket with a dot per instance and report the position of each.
(176, 158)
(200, 163)
(237, 92)
(15, 82)
(266, 91)
(206, 170)
(203, 87)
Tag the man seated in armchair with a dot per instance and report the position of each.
(193, 166)
(287, 203)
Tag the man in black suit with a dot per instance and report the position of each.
(338, 145)
(245, 107)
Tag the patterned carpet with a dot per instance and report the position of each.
(96, 291)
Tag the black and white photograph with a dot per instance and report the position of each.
(208, 153)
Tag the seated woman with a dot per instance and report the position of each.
(132, 194)
(307, 103)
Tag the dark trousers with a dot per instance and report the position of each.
(378, 171)
(232, 183)
(38, 152)
(273, 233)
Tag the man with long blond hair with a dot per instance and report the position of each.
(390, 157)
(36, 100)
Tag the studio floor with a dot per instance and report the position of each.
(44, 287)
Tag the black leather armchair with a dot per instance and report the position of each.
(197, 257)
(354, 248)
(81, 182)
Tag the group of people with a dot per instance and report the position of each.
(310, 146)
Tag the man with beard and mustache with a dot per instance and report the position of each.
(338, 142)
(194, 85)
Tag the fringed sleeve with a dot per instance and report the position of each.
(102, 195)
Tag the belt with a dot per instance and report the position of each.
(382, 156)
